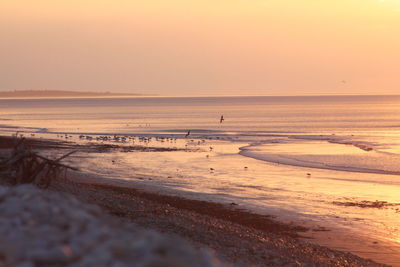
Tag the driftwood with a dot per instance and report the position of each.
(25, 166)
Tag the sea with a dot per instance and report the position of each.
(330, 163)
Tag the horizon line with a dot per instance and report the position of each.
(136, 94)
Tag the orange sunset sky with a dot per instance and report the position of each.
(201, 46)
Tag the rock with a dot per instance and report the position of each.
(45, 228)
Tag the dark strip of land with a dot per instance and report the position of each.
(57, 93)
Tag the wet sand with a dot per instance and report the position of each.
(236, 236)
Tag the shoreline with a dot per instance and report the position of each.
(235, 235)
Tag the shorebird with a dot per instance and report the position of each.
(221, 119)
(188, 133)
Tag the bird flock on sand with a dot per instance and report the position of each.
(147, 139)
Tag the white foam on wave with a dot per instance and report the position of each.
(325, 152)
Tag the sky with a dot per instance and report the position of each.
(201, 47)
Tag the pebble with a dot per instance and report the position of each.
(48, 228)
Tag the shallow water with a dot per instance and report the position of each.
(303, 159)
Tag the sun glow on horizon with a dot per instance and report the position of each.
(188, 47)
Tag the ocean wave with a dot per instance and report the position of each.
(343, 140)
(316, 165)
(309, 154)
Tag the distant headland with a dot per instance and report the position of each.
(56, 93)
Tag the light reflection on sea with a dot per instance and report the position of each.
(306, 160)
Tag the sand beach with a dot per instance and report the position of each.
(234, 236)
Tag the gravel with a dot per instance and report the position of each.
(231, 242)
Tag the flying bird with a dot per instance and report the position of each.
(188, 133)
